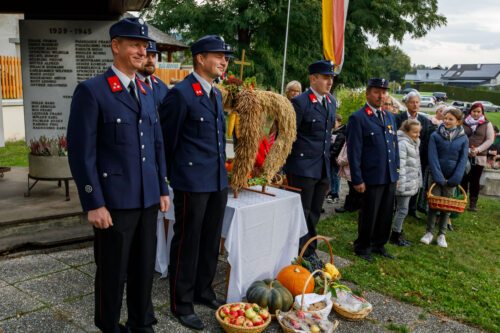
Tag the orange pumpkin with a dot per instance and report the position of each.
(294, 278)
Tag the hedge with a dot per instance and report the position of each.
(460, 93)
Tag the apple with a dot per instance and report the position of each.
(314, 329)
(257, 320)
(248, 323)
(250, 313)
(240, 320)
(241, 312)
(227, 320)
(248, 306)
(222, 314)
(301, 314)
(233, 314)
(256, 307)
(235, 307)
(264, 314)
(225, 310)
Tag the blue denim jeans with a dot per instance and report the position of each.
(335, 181)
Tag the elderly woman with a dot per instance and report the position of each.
(437, 119)
(481, 135)
(412, 102)
(293, 88)
(391, 105)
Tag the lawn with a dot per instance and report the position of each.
(461, 281)
(15, 153)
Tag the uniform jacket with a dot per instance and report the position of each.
(311, 150)
(160, 90)
(115, 147)
(372, 148)
(425, 133)
(410, 171)
(194, 135)
(447, 159)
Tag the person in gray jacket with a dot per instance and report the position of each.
(410, 176)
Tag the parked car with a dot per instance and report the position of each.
(462, 106)
(440, 96)
(427, 101)
(489, 107)
(407, 90)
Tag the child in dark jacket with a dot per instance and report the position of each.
(448, 150)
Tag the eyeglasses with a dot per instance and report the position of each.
(388, 104)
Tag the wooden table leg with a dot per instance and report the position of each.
(222, 251)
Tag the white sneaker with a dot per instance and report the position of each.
(442, 241)
(427, 239)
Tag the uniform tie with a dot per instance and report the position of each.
(133, 92)
(324, 104)
(148, 82)
(213, 99)
(380, 116)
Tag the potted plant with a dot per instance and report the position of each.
(48, 158)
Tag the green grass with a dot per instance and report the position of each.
(461, 281)
(494, 117)
(15, 153)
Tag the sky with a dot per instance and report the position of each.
(472, 35)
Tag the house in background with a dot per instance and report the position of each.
(472, 75)
(430, 75)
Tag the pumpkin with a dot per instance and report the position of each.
(294, 278)
(270, 293)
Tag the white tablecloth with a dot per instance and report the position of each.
(262, 236)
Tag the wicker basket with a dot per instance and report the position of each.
(312, 239)
(352, 316)
(229, 328)
(445, 204)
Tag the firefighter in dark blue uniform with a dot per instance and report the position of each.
(115, 150)
(372, 150)
(146, 74)
(193, 125)
(308, 166)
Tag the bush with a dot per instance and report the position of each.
(350, 100)
(462, 94)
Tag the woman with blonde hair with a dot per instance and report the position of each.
(293, 88)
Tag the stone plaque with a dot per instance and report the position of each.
(56, 56)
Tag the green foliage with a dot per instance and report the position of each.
(462, 94)
(460, 281)
(259, 27)
(15, 153)
(390, 62)
(350, 100)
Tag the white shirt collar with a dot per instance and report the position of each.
(318, 96)
(207, 86)
(374, 109)
(124, 79)
(410, 116)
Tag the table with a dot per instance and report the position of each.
(261, 234)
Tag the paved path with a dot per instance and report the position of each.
(53, 292)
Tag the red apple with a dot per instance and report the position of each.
(257, 320)
(222, 314)
(248, 323)
(227, 320)
(235, 307)
(241, 312)
(250, 313)
(301, 314)
(264, 313)
(240, 320)
(233, 314)
(248, 306)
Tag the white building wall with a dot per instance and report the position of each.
(9, 34)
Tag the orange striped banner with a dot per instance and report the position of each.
(10, 75)
(334, 13)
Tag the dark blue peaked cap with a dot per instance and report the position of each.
(322, 67)
(210, 43)
(378, 83)
(152, 47)
(133, 27)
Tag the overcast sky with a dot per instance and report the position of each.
(472, 35)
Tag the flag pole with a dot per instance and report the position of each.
(286, 45)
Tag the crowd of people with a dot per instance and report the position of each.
(130, 137)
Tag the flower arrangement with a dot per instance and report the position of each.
(44, 146)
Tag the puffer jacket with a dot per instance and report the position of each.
(410, 171)
(448, 158)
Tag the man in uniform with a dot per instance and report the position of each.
(193, 126)
(308, 166)
(115, 150)
(145, 74)
(372, 150)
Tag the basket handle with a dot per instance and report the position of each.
(312, 239)
(430, 195)
(305, 286)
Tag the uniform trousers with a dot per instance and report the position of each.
(195, 248)
(375, 218)
(312, 195)
(126, 252)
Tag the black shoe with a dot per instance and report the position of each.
(213, 304)
(340, 210)
(450, 227)
(191, 321)
(398, 239)
(384, 253)
(367, 257)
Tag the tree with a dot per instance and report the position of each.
(258, 26)
(390, 62)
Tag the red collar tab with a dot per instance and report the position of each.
(369, 111)
(313, 98)
(197, 89)
(328, 99)
(155, 80)
(114, 83)
(141, 87)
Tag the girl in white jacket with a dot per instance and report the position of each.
(410, 176)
